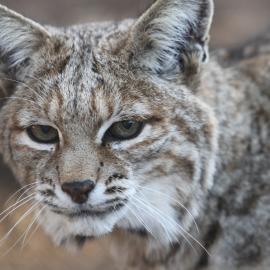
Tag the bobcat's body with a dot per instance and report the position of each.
(235, 222)
(205, 153)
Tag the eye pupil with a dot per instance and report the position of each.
(127, 124)
(45, 129)
(124, 130)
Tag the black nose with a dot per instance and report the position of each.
(79, 190)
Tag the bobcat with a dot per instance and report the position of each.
(127, 128)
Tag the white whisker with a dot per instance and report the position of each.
(150, 210)
(173, 200)
(18, 205)
(29, 211)
(18, 191)
(23, 235)
(9, 250)
(31, 224)
(33, 232)
(160, 214)
(26, 191)
(19, 239)
(140, 220)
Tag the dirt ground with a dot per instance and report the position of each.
(235, 21)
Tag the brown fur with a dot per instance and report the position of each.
(202, 157)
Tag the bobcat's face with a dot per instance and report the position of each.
(86, 123)
(101, 134)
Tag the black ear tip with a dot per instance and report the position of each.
(204, 58)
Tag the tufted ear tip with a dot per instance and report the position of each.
(169, 33)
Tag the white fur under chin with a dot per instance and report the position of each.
(63, 230)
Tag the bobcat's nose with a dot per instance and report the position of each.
(78, 190)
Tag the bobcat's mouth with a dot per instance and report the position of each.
(87, 212)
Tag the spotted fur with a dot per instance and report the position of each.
(202, 159)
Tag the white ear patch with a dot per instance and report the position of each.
(24, 139)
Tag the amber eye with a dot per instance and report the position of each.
(124, 130)
(43, 134)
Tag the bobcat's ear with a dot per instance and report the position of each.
(20, 38)
(172, 36)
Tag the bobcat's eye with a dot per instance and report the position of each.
(43, 134)
(124, 130)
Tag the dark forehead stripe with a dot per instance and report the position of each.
(78, 80)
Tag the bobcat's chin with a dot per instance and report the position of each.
(72, 232)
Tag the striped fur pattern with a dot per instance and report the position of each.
(159, 186)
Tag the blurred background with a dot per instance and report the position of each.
(235, 22)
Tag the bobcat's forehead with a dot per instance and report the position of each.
(72, 85)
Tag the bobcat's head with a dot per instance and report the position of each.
(103, 123)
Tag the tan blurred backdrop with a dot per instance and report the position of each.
(235, 21)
